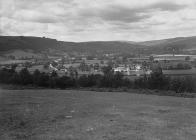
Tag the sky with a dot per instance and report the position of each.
(98, 20)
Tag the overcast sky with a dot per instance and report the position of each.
(90, 20)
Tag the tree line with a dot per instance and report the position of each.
(157, 80)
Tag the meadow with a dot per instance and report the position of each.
(88, 115)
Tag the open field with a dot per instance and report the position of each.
(9, 62)
(180, 72)
(88, 115)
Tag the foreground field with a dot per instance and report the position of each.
(87, 115)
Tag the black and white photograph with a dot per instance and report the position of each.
(97, 69)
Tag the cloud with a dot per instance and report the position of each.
(83, 20)
(114, 13)
(35, 16)
(167, 6)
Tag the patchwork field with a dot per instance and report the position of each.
(88, 115)
(180, 72)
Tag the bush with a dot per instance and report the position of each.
(65, 82)
(177, 85)
(158, 81)
(89, 81)
(109, 80)
(25, 77)
(83, 81)
(184, 84)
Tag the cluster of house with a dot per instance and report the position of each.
(136, 69)
(81, 66)
(145, 65)
(133, 66)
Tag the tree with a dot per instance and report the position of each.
(54, 74)
(177, 85)
(157, 80)
(110, 63)
(46, 65)
(12, 57)
(89, 57)
(96, 66)
(25, 77)
(43, 80)
(102, 62)
(187, 66)
(124, 59)
(83, 81)
(117, 80)
(72, 72)
(13, 67)
(107, 69)
(36, 77)
(76, 74)
(151, 58)
(28, 64)
(194, 62)
(83, 66)
(65, 82)
(180, 66)
(187, 58)
(53, 79)
(63, 60)
(6, 75)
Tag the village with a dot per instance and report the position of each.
(132, 67)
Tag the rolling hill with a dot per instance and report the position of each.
(38, 44)
(23, 43)
(179, 44)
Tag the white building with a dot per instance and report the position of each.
(124, 70)
(53, 68)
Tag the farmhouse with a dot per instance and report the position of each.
(124, 70)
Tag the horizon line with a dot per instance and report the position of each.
(99, 40)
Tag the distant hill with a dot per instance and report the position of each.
(179, 44)
(162, 41)
(38, 44)
(104, 46)
(8, 43)
(33, 43)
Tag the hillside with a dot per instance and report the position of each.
(23, 43)
(8, 43)
(162, 41)
(104, 46)
(179, 44)
(38, 44)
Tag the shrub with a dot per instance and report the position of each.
(65, 82)
(109, 80)
(25, 77)
(183, 84)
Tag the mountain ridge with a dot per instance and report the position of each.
(41, 43)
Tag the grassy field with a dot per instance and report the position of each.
(87, 115)
(180, 72)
